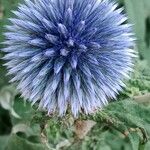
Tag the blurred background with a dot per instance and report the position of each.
(124, 125)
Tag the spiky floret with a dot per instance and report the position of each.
(69, 53)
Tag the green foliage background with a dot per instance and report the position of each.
(123, 125)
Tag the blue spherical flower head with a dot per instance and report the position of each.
(69, 53)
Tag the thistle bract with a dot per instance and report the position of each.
(69, 53)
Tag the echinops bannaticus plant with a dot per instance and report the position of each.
(69, 53)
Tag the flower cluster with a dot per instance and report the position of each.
(69, 53)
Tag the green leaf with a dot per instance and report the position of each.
(7, 96)
(17, 143)
(130, 113)
(139, 14)
(23, 137)
(147, 146)
(24, 110)
(3, 142)
(134, 140)
(22, 128)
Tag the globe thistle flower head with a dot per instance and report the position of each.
(69, 53)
